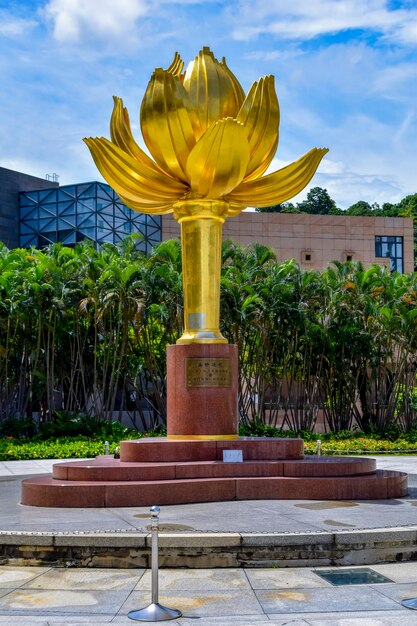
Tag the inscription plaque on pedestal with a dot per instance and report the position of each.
(208, 372)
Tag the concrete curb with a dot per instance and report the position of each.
(209, 550)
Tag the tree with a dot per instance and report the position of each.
(389, 210)
(359, 208)
(285, 207)
(318, 202)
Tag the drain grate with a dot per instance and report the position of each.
(357, 576)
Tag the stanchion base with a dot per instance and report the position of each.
(154, 613)
(410, 603)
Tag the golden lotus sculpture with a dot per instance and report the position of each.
(210, 145)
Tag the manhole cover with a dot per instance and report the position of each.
(358, 576)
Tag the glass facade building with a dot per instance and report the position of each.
(71, 213)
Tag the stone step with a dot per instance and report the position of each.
(106, 468)
(50, 492)
(163, 449)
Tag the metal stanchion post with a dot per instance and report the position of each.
(318, 447)
(154, 612)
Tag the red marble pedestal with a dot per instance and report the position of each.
(189, 465)
(166, 471)
(202, 391)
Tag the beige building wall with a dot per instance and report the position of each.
(313, 240)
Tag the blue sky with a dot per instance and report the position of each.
(346, 78)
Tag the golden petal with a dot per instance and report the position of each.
(167, 122)
(134, 182)
(155, 209)
(219, 160)
(280, 185)
(237, 87)
(213, 89)
(121, 135)
(260, 116)
(176, 66)
(235, 208)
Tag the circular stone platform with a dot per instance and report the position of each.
(181, 472)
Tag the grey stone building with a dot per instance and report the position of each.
(11, 184)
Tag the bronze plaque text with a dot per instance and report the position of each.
(208, 372)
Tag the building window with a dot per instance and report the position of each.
(392, 248)
(347, 256)
(307, 256)
(92, 211)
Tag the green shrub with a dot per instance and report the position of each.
(63, 424)
(18, 427)
(70, 424)
(60, 448)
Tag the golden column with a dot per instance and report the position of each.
(210, 145)
(201, 236)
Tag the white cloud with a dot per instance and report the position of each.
(300, 20)
(73, 20)
(353, 69)
(396, 82)
(12, 26)
(282, 56)
(350, 187)
(347, 186)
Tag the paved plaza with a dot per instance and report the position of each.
(52, 596)
(216, 597)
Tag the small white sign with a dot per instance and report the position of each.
(232, 456)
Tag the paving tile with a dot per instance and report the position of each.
(244, 621)
(199, 604)
(39, 620)
(196, 580)
(83, 620)
(38, 601)
(225, 620)
(305, 600)
(17, 576)
(398, 572)
(369, 618)
(281, 578)
(399, 591)
(79, 579)
(71, 620)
